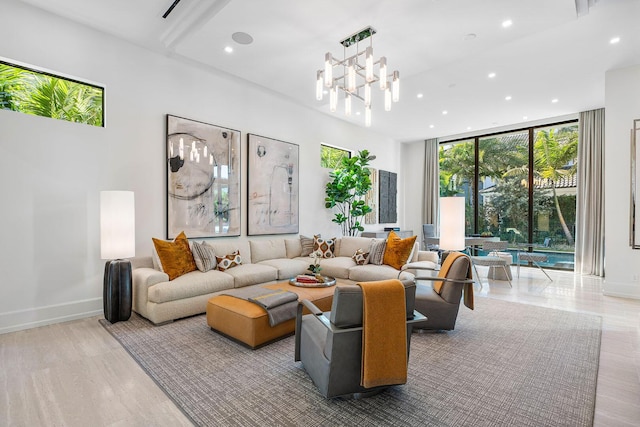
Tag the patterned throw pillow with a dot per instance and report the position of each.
(360, 257)
(228, 261)
(204, 255)
(307, 244)
(398, 250)
(376, 251)
(175, 257)
(325, 246)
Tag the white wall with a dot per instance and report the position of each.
(52, 171)
(622, 106)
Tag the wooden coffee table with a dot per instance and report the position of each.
(248, 323)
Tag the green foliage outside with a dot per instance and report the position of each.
(40, 94)
(331, 157)
(503, 208)
(346, 190)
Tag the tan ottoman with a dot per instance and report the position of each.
(248, 323)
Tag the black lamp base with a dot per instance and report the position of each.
(116, 295)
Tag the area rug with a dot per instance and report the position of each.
(506, 364)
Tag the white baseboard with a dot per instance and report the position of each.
(621, 290)
(19, 320)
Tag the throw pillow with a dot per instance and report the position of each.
(398, 250)
(325, 246)
(376, 251)
(176, 257)
(204, 256)
(360, 257)
(307, 244)
(229, 261)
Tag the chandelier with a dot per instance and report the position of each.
(355, 76)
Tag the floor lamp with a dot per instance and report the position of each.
(117, 242)
(452, 224)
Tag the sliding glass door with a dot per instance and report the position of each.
(519, 186)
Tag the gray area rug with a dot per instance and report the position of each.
(506, 364)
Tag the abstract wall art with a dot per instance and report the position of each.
(387, 197)
(203, 179)
(272, 186)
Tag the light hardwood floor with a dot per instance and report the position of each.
(76, 374)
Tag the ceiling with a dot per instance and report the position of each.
(444, 50)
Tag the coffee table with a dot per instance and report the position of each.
(248, 323)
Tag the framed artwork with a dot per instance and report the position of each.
(371, 198)
(203, 179)
(273, 186)
(387, 197)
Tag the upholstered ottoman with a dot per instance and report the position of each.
(248, 323)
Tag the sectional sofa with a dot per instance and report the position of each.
(161, 300)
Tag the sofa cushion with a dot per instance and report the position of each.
(252, 274)
(189, 285)
(337, 267)
(228, 261)
(227, 246)
(360, 257)
(287, 268)
(349, 245)
(376, 251)
(204, 256)
(326, 247)
(398, 250)
(176, 257)
(307, 244)
(267, 249)
(294, 247)
(370, 272)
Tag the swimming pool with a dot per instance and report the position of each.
(557, 260)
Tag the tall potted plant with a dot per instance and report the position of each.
(346, 190)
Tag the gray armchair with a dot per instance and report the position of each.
(441, 308)
(330, 344)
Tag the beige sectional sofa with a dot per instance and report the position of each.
(263, 261)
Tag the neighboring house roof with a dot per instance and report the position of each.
(570, 181)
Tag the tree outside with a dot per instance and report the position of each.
(44, 95)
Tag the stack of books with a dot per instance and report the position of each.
(303, 278)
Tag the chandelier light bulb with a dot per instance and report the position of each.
(395, 88)
(319, 86)
(369, 64)
(211, 159)
(347, 104)
(333, 99)
(204, 151)
(351, 76)
(367, 94)
(367, 116)
(387, 99)
(328, 70)
(383, 73)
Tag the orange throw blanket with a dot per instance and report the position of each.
(444, 270)
(384, 334)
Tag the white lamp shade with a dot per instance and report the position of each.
(452, 223)
(117, 225)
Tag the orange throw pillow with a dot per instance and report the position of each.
(398, 250)
(176, 256)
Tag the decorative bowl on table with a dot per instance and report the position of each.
(312, 281)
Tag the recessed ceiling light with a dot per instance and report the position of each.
(242, 38)
(325, 92)
(507, 23)
(615, 40)
(228, 49)
(491, 75)
(431, 126)
(507, 98)
(468, 127)
(445, 112)
(357, 113)
(419, 96)
(554, 100)
(524, 117)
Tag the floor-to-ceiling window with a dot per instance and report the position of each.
(519, 186)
